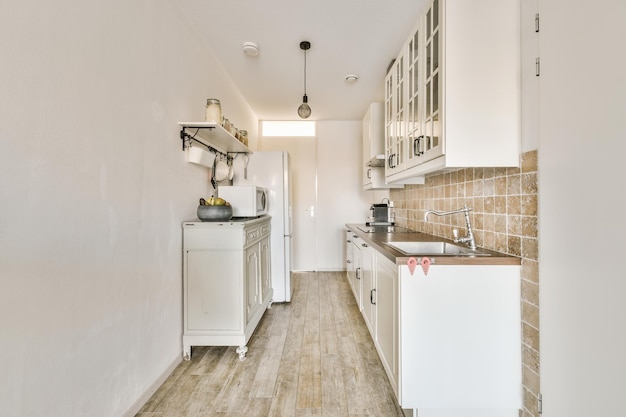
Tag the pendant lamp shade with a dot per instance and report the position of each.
(304, 111)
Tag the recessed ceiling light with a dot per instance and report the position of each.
(250, 48)
(351, 78)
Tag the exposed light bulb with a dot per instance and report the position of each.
(304, 111)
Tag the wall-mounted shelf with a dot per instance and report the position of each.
(211, 135)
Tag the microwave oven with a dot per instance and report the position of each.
(246, 200)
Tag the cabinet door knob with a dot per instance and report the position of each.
(372, 296)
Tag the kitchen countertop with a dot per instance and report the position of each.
(378, 239)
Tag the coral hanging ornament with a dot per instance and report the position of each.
(425, 265)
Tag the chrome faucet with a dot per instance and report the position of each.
(469, 238)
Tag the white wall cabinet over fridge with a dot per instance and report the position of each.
(226, 282)
(453, 94)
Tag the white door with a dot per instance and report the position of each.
(303, 157)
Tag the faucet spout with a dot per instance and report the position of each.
(469, 238)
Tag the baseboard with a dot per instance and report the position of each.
(134, 409)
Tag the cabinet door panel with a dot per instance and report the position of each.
(252, 281)
(387, 317)
(211, 275)
(266, 273)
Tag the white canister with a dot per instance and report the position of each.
(213, 111)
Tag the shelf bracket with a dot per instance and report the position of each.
(187, 139)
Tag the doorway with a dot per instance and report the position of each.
(303, 175)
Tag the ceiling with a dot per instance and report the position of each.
(347, 37)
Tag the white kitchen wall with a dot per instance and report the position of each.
(93, 189)
(339, 196)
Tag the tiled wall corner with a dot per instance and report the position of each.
(504, 218)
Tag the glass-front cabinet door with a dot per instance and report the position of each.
(414, 125)
(431, 145)
(395, 117)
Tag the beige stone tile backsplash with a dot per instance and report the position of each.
(504, 219)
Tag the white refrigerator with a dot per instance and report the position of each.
(270, 170)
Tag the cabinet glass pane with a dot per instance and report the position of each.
(428, 23)
(428, 92)
(435, 92)
(435, 51)
(436, 132)
(428, 58)
(435, 14)
(411, 85)
(415, 80)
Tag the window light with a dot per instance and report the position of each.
(287, 128)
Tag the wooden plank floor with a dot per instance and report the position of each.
(312, 357)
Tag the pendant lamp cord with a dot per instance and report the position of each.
(305, 72)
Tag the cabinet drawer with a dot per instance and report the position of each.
(211, 238)
(255, 233)
(252, 235)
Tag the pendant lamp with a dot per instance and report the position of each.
(304, 111)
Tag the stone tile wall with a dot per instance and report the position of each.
(504, 219)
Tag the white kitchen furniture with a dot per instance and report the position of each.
(452, 96)
(449, 338)
(356, 271)
(226, 282)
(374, 149)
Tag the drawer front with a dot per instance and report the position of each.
(255, 233)
(212, 238)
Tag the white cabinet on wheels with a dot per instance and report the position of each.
(226, 282)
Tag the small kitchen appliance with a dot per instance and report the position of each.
(381, 215)
(246, 200)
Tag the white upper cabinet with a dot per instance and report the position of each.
(453, 94)
(374, 149)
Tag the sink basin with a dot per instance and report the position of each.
(435, 248)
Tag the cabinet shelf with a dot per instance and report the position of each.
(211, 135)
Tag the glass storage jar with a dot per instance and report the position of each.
(213, 111)
(243, 137)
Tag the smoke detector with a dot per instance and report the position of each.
(351, 78)
(250, 48)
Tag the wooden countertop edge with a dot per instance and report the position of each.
(377, 240)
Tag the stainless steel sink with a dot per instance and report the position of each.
(435, 248)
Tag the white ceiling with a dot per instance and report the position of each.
(347, 36)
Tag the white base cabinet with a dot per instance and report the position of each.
(226, 282)
(450, 339)
(459, 340)
(385, 306)
(356, 276)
